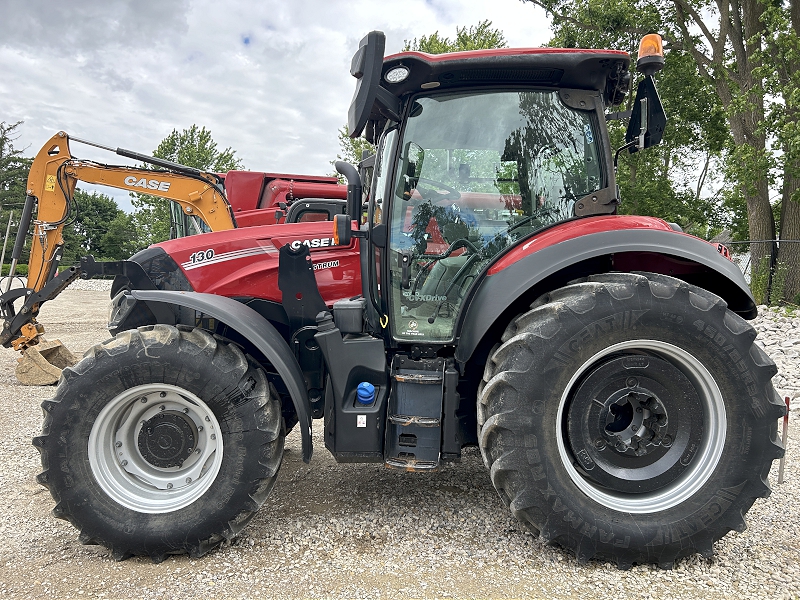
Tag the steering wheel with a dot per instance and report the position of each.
(432, 194)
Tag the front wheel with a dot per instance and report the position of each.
(161, 441)
(630, 417)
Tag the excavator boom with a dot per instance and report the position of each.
(55, 173)
(53, 177)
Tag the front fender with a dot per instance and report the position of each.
(259, 332)
(541, 269)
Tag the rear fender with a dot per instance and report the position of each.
(258, 331)
(511, 285)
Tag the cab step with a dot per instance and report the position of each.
(414, 418)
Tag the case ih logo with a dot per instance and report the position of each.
(313, 243)
(147, 184)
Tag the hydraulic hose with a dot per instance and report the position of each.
(22, 233)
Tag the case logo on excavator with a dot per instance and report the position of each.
(148, 184)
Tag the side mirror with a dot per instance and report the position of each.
(412, 159)
(366, 67)
(648, 119)
(342, 232)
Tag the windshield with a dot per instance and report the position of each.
(475, 174)
(184, 225)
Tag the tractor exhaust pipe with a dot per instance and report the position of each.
(354, 188)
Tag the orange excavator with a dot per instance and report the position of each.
(199, 196)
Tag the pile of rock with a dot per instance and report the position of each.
(779, 335)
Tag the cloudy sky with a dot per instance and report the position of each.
(269, 78)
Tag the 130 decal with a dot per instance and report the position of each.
(201, 256)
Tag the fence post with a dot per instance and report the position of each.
(784, 438)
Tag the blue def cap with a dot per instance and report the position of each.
(365, 393)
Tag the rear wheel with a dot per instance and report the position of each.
(161, 441)
(630, 417)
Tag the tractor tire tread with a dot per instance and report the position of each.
(502, 393)
(229, 361)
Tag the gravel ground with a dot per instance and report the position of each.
(347, 531)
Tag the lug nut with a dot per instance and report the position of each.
(208, 418)
(143, 399)
(188, 480)
(213, 436)
(600, 443)
(124, 463)
(631, 382)
(169, 486)
(667, 441)
(197, 451)
(199, 428)
(186, 411)
(118, 445)
(162, 407)
(163, 394)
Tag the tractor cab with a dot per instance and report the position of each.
(475, 173)
(476, 151)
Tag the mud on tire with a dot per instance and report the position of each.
(160, 441)
(629, 417)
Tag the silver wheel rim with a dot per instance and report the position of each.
(705, 461)
(123, 473)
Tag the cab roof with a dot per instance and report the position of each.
(587, 69)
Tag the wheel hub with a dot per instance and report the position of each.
(634, 424)
(636, 421)
(167, 439)
(155, 448)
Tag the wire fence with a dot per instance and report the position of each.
(740, 254)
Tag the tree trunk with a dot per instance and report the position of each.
(746, 36)
(789, 255)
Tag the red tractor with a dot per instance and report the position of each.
(492, 297)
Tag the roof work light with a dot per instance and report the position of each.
(651, 54)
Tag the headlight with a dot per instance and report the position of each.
(397, 74)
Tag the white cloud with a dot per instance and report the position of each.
(268, 78)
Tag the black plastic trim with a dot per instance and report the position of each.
(497, 292)
(157, 270)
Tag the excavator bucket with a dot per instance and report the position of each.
(41, 364)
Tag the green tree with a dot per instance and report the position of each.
(474, 37)
(668, 181)
(100, 229)
(193, 147)
(13, 179)
(781, 74)
(351, 150)
(738, 47)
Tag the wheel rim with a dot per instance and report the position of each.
(666, 476)
(155, 448)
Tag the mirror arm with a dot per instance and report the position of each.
(620, 150)
(389, 102)
(644, 123)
